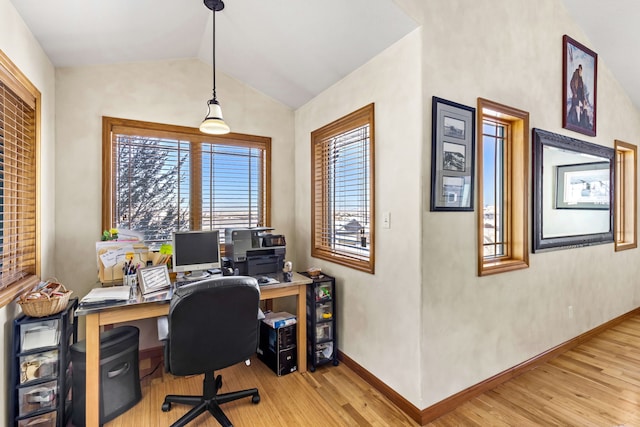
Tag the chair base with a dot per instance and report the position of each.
(209, 401)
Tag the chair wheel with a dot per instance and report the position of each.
(336, 362)
(312, 368)
(166, 406)
(255, 399)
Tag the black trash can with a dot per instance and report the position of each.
(119, 374)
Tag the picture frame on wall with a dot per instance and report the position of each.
(452, 156)
(579, 87)
(583, 186)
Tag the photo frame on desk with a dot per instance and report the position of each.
(154, 279)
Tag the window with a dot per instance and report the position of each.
(161, 178)
(342, 196)
(625, 196)
(19, 150)
(503, 158)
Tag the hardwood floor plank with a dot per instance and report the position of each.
(595, 384)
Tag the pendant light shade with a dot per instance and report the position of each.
(214, 123)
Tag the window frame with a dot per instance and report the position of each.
(515, 188)
(152, 129)
(319, 247)
(20, 85)
(625, 196)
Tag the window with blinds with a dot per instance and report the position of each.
(18, 193)
(343, 191)
(163, 178)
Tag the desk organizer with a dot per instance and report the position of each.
(321, 321)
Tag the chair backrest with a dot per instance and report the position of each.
(212, 324)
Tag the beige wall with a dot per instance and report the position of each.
(473, 328)
(17, 42)
(378, 315)
(424, 323)
(173, 92)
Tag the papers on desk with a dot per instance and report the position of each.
(106, 295)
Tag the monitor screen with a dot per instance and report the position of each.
(195, 252)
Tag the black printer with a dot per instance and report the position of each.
(255, 251)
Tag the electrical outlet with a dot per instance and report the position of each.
(570, 311)
(386, 219)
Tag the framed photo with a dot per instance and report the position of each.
(154, 279)
(583, 186)
(452, 156)
(579, 81)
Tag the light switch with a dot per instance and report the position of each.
(386, 219)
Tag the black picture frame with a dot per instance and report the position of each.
(452, 156)
(579, 87)
(545, 143)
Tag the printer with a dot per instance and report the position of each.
(254, 251)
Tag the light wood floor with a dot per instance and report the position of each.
(595, 384)
(331, 396)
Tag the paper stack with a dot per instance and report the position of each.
(106, 295)
(279, 319)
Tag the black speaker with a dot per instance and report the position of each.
(119, 374)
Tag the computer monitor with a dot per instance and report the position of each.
(195, 252)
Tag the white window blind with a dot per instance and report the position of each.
(151, 185)
(232, 186)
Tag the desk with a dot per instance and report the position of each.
(154, 307)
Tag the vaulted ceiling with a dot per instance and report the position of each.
(290, 50)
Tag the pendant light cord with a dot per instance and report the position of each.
(213, 10)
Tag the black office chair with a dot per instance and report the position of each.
(212, 324)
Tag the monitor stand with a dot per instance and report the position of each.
(197, 275)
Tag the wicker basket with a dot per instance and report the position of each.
(50, 299)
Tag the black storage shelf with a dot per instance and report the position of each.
(44, 399)
(322, 343)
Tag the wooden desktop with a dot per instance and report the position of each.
(148, 308)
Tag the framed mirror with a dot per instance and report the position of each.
(572, 192)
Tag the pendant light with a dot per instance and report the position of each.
(214, 124)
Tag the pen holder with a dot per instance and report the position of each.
(130, 280)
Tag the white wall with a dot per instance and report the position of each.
(378, 315)
(173, 92)
(17, 42)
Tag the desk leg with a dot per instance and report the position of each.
(92, 396)
(302, 328)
